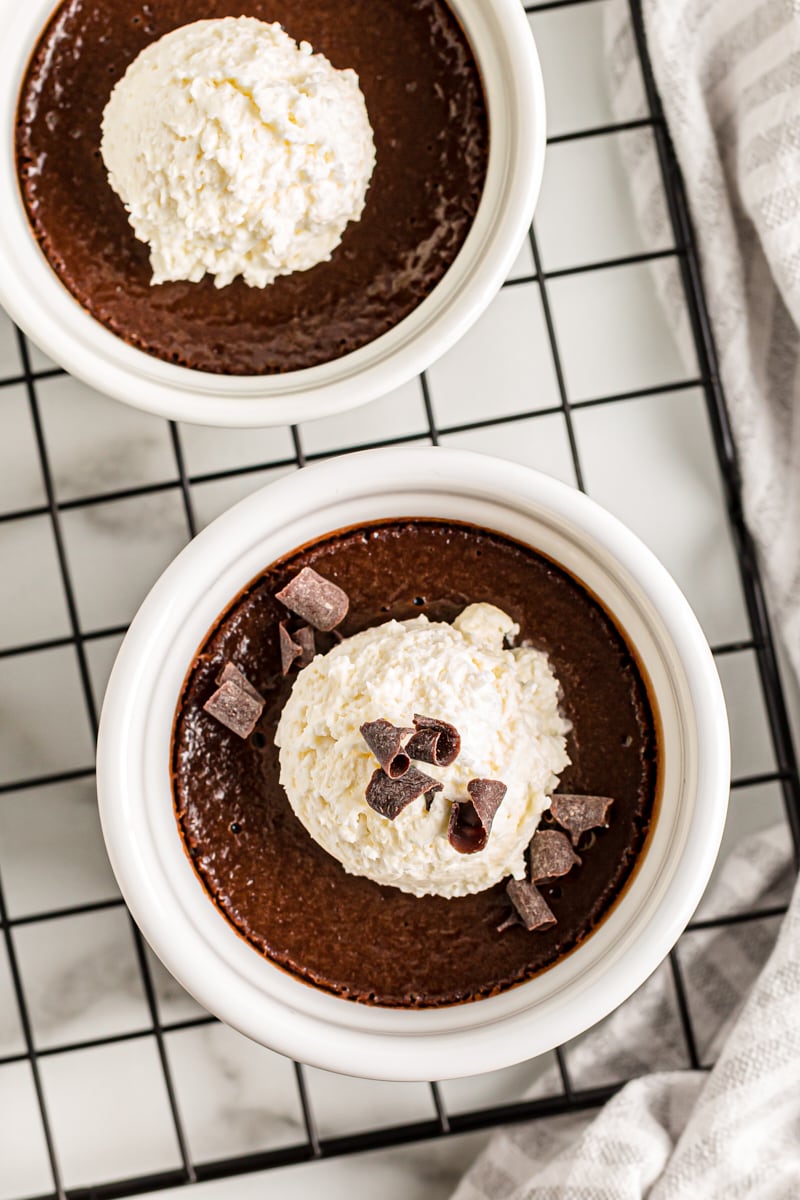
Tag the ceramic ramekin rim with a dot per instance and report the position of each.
(198, 945)
(43, 308)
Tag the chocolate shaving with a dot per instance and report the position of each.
(423, 746)
(529, 904)
(232, 674)
(577, 814)
(434, 742)
(316, 600)
(235, 708)
(465, 831)
(471, 820)
(386, 742)
(288, 647)
(299, 645)
(305, 639)
(390, 796)
(487, 796)
(511, 919)
(551, 855)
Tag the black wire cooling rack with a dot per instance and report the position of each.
(760, 643)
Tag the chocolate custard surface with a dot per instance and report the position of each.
(426, 107)
(294, 902)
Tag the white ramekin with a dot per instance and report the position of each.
(196, 942)
(31, 292)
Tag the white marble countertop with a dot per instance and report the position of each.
(649, 459)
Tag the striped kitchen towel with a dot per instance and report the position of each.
(728, 73)
(680, 1134)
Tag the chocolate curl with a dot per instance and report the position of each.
(316, 600)
(386, 742)
(471, 820)
(390, 796)
(299, 645)
(487, 796)
(235, 708)
(551, 855)
(232, 674)
(529, 904)
(578, 814)
(288, 647)
(511, 919)
(304, 638)
(434, 742)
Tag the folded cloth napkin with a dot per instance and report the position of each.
(728, 73)
(683, 1135)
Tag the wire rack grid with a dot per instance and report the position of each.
(78, 640)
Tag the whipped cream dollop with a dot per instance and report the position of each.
(237, 151)
(503, 702)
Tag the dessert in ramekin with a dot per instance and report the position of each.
(442, 222)
(652, 736)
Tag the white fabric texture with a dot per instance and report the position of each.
(680, 1134)
(728, 73)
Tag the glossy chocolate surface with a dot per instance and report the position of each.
(295, 903)
(426, 106)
